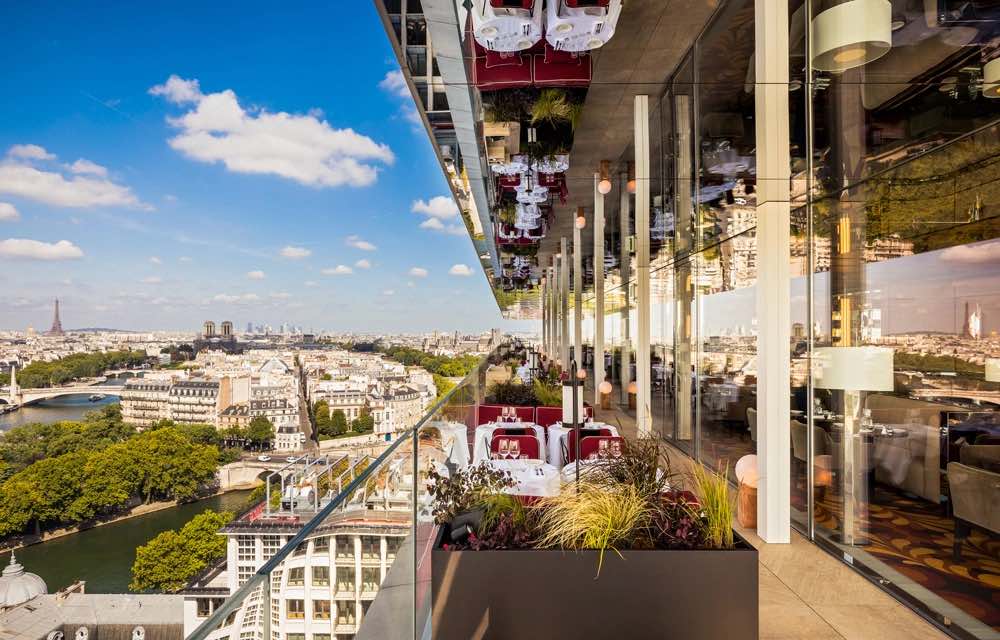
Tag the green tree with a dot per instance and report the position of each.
(170, 466)
(338, 423)
(260, 431)
(364, 423)
(172, 558)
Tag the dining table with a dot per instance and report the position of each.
(531, 477)
(484, 435)
(454, 442)
(558, 435)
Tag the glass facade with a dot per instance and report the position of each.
(894, 288)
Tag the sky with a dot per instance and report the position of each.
(164, 165)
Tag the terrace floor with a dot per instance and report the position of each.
(807, 593)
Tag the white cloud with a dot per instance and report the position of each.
(281, 295)
(410, 114)
(978, 253)
(299, 147)
(310, 283)
(460, 270)
(363, 264)
(8, 212)
(178, 90)
(295, 253)
(30, 152)
(235, 298)
(358, 243)
(436, 207)
(170, 198)
(35, 250)
(19, 177)
(155, 260)
(395, 83)
(435, 224)
(389, 292)
(418, 272)
(159, 301)
(152, 280)
(89, 168)
(339, 270)
(255, 275)
(184, 259)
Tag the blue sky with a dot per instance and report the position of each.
(164, 165)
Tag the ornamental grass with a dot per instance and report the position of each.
(593, 516)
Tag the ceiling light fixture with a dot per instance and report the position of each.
(851, 34)
(604, 186)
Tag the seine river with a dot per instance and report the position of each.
(103, 555)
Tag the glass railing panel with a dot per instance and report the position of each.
(346, 538)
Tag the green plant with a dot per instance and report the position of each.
(553, 107)
(642, 464)
(465, 490)
(716, 507)
(594, 516)
(511, 393)
(506, 212)
(547, 394)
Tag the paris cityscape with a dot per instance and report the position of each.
(500, 319)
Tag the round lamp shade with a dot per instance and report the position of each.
(746, 470)
(991, 79)
(630, 185)
(605, 387)
(581, 222)
(633, 388)
(604, 187)
(581, 374)
(851, 34)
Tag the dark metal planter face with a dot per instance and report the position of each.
(528, 594)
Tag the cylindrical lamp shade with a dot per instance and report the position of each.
(853, 368)
(851, 34)
(993, 369)
(991, 79)
(567, 403)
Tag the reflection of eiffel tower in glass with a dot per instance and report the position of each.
(56, 329)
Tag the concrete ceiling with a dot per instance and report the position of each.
(651, 38)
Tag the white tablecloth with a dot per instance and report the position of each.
(533, 478)
(484, 434)
(557, 436)
(454, 442)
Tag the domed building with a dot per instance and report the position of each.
(17, 586)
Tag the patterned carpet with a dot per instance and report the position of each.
(914, 538)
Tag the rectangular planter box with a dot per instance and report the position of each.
(527, 594)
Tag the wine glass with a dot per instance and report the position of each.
(504, 448)
(515, 449)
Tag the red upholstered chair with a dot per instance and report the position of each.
(525, 414)
(579, 4)
(511, 4)
(553, 68)
(548, 416)
(488, 413)
(527, 446)
(569, 448)
(497, 71)
(508, 183)
(600, 447)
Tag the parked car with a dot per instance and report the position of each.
(291, 459)
(263, 458)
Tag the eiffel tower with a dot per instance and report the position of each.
(56, 329)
